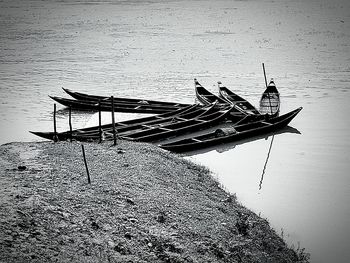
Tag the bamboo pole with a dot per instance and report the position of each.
(55, 139)
(268, 94)
(70, 123)
(113, 123)
(264, 74)
(87, 169)
(99, 121)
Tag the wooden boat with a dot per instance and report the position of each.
(213, 116)
(149, 129)
(205, 96)
(237, 132)
(220, 148)
(270, 100)
(239, 103)
(96, 98)
(140, 107)
(93, 132)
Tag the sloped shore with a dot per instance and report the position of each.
(143, 205)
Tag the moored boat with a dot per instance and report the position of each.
(239, 102)
(192, 119)
(213, 116)
(96, 98)
(139, 107)
(270, 100)
(205, 96)
(92, 133)
(235, 133)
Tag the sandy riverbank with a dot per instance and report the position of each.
(143, 205)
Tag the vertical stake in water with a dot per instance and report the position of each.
(70, 123)
(87, 170)
(264, 74)
(55, 138)
(113, 123)
(268, 94)
(99, 121)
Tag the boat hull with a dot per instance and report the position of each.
(96, 98)
(241, 132)
(205, 96)
(240, 103)
(270, 100)
(139, 107)
(151, 128)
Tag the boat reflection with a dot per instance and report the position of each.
(229, 146)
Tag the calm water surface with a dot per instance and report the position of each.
(154, 49)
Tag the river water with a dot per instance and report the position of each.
(297, 179)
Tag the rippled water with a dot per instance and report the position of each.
(154, 49)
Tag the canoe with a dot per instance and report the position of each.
(235, 133)
(96, 98)
(92, 133)
(205, 96)
(220, 148)
(149, 129)
(270, 100)
(140, 107)
(213, 116)
(239, 102)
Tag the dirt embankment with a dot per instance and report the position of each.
(143, 205)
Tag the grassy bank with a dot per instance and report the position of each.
(143, 205)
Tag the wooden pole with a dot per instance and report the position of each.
(264, 74)
(99, 121)
(113, 123)
(268, 94)
(70, 123)
(55, 139)
(87, 170)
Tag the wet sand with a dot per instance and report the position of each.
(143, 205)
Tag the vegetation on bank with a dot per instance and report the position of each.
(143, 205)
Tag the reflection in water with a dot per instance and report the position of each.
(267, 159)
(229, 146)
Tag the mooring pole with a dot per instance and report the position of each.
(99, 121)
(268, 94)
(264, 74)
(87, 170)
(70, 123)
(55, 139)
(113, 123)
